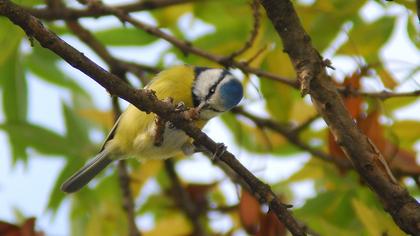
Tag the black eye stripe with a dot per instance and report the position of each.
(198, 70)
(214, 86)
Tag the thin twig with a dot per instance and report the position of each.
(124, 180)
(292, 136)
(383, 95)
(187, 47)
(128, 202)
(73, 14)
(114, 64)
(146, 101)
(183, 199)
(305, 124)
(254, 32)
(314, 80)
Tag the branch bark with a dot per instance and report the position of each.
(184, 201)
(366, 158)
(146, 101)
(73, 14)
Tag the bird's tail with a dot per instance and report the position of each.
(90, 170)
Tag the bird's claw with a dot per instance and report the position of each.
(180, 107)
(220, 150)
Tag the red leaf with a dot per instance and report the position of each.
(26, 229)
(249, 212)
(198, 193)
(271, 226)
(401, 161)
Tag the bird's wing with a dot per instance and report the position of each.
(110, 134)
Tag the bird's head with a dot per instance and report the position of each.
(215, 91)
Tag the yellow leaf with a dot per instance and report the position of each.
(301, 111)
(172, 225)
(168, 16)
(407, 130)
(279, 63)
(375, 222)
(386, 77)
(312, 170)
(143, 173)
(104, 118)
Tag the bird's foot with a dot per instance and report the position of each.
(220, 150)
(180, 107)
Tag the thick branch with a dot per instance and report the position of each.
(184, 201)
(115, 65)
(292, 136)
(366, 158)
(73, 14)
(128, 202)
(145, 101)
(187, 47)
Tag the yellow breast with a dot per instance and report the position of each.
(135, 133)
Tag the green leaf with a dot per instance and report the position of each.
(10, 37)
(57, 196)
(15, 89)
(368, 38)
(262, 141)
(44, 64)
(29, 2)
(313, 169)
(125, 36)
(413, 31)
(169, 16)
(333, 206)
(398, 102)
(375, 222)
(77, 130)
(279, 99)
(158, 205)
(325, 12)
(43, 140)
(409, 4)
(15, 92)
(407, 131)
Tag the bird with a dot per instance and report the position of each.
(210, 91)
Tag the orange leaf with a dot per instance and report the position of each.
(271, 226)
(26, 229)
(198, 193)
(401, 161)
(249, 212)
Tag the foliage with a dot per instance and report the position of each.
(341, 204)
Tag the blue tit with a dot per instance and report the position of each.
(210, 91)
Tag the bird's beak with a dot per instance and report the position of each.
(202, 105)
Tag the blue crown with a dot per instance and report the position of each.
(231, 93)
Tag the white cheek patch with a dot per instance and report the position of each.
(205, 81)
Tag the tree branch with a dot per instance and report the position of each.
(253, 35)
(146, 101)
(292, 136)
(184, 201)
(366, 158)
(123, 176)
(187, 47)
(73, 14)
(114, 64)
(383, 95)
(128, 202)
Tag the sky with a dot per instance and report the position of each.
(25, 188)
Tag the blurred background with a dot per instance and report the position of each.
(54, 118)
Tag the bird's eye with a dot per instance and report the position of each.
(212, 90)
